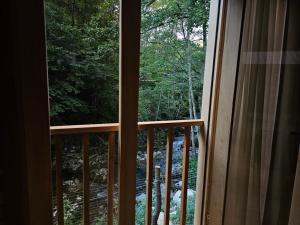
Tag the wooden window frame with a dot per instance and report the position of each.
(30, 85)
(130, 20)
(209, 76)
(221, 110)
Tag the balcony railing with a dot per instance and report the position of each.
(57, 133)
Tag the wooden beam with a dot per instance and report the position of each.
(86, 179)
(59, 180)
(149, 178)
(84, 129)
(210, 60)
(227, 56)
(110, 127)
(168, 176)
(185, 170)
(111, 177)
(170, 123)
(130, 19)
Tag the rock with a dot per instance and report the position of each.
(178, 144)
(141, 198)
(190, 192)
(173, 213)
(178, 185)
(101, 195)
(160, 220)
(177, 168)
(162, 191)
(177, 198)
(68, 182)
(103, 174)
(158, 155)
(141, 162)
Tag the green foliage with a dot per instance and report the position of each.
(102, 218)
(168, 28)
(174, 216)
(190, 210)
(100, 221)
(69, 211)
(193, 172)
(82, 43)
(140, 209)
(82, 62)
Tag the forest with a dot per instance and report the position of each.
(83, 51)
(83, 61)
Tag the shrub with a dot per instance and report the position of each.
(69, 211)
(190, 210)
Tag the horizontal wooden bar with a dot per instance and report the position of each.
(110, 127)
(170, 123)
(86, 128)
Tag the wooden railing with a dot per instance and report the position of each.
(57, 133)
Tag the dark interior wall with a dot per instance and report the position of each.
(25, 192)
(10, 172)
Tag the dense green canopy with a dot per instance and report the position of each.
(83, 41)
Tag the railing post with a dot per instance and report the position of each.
(185, 169)
(110, 179)
(86, 180)
(149, 176)
(130, 18)
(59, 180)
(168, 175)
(157, 195)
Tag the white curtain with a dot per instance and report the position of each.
(263, 153)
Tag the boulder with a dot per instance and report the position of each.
(141, 198)
(160, 220)
(177, 196)
(178, 185)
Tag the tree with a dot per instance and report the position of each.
(172, 59)
(82, 49)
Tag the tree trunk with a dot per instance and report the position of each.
(157, 196)
(192, 105)
(204, 27)
(191, 117)
(73, 13)
(158, 105)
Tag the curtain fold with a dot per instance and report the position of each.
(295, 206)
